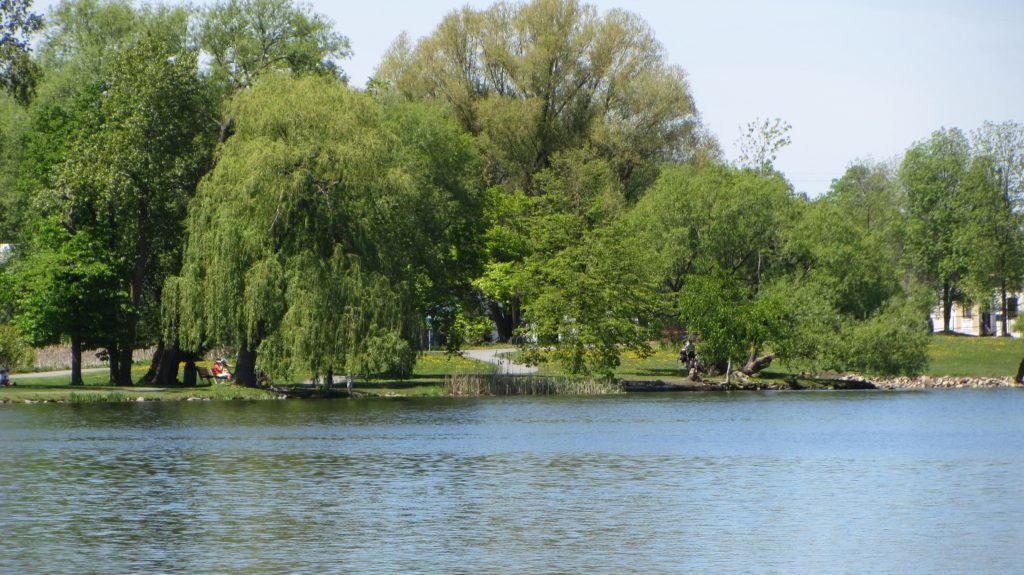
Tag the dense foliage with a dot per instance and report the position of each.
(329, 224)
(199, 179)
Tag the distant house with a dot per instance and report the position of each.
(971, 320)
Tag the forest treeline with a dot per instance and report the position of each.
(205, 178)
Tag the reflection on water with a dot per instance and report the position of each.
(747, 483)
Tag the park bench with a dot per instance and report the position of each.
(205, 375)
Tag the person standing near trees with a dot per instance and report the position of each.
(687, 355)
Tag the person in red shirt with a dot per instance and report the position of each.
(220, 369)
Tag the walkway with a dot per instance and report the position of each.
(58, 373)
(505, 366)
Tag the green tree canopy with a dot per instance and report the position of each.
(66, 288)
(18, 72)
(532, 79)
(699, 218)
(932, 174)
(715, 236)
(587, 297)
(538, 83)
(754, 272)
(849, 240)
(246, 38)
(82, 36)
(329, 222)
(995, 228)
(122, 188)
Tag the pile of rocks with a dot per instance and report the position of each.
(944, 382)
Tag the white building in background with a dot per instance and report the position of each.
(970, 320)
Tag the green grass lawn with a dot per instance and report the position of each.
(974, 356)
(97, 389)
(427, 380)
(948, 355)
(663, 365)
(428, 376)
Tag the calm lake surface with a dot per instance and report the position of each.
(858, 482)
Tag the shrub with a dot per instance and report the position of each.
(14, 350)
(891, 342)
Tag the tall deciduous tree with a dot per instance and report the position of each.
(66, 289)
(82, 36)
(18, 73)
(761, 142)
(536, 80)
(715, 236)
(591, 302)
(699, 218)
(997, 191)
(588, 299)
(246, 38)
(78, 42)
(1003, 144)
(847, 247)
(850, 240)
(128, 176)
(932, 174)
(329, 221)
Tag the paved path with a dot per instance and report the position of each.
(59, 373)
(504, 365)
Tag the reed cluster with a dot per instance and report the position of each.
(499, 384)
(111, 397)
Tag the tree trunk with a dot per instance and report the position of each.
(947, 306)
(503, 322)
(227, 129)
(76, 360)
(154, 365)
(123, 370)
(168, 374)
(1005, 322)
(113, 361)
(245, 367)
(1020, 373)
(121, 359)
(164, 369)
(755, 364)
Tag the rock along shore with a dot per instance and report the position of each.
(942, 382)
(845, 382)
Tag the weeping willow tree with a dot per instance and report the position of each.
(330, 222)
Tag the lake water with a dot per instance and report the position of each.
(858, 482)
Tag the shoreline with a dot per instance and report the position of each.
(944, 382)
(851, 382)
(848, 382)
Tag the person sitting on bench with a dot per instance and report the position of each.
(220, 369)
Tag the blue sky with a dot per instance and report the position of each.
(856, 79)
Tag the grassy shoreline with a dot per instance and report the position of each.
(954, 362)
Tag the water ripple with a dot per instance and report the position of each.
(925, 483)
